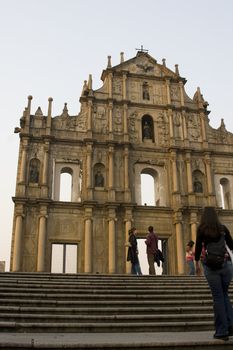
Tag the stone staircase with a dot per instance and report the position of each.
(92, 304)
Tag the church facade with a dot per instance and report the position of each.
(140, 122)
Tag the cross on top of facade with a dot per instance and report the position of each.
(141, 49)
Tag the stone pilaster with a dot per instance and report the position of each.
(88, 241)
(179, 243)
(193, 223)
(42, 239)
(18, 240)
(111, 191)
(111, 241)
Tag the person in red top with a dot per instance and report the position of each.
(151, 249)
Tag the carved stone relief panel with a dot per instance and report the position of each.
(119, 170)
(162, 128)
(132, 127)
(175, 94)
(194, 126)
(177, 123)
(118, 120)
(117, 86)
(158, 94)
(133, 90)
(100, 119)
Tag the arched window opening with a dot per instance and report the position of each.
(34, 170)
(225, 193)
(147, 128)
(66, 185)
(149, 187)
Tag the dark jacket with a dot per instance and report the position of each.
(201, 238)
(133, 250)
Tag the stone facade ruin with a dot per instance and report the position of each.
(141, 121)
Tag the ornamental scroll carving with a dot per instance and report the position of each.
(163, 129)
(194, 127)
(100, 124)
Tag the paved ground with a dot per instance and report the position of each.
(107, 338)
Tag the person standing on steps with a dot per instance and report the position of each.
(190, 257)
(211, 230)
(151, 249)
(133, 252)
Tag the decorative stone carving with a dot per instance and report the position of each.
(81, 123)
(100, 124)
(132, 120)
(118, 121)
(117, 86)
(194, 127)
(163, 129)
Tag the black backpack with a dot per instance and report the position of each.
(215, 253)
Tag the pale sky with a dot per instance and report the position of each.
(48, 48)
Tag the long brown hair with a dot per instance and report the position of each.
(209, 223)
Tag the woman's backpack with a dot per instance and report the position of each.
(215, 253)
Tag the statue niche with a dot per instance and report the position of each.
(99, 171)
(34, 170)
(147, 128)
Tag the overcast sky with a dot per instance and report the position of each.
(48, 48)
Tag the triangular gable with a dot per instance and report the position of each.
(144, 64)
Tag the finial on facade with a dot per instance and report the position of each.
(222, 126)
(90, 82)
(164, 62)
(177, 69)
(39, 112)
(85, 88)
(122, 57)
(65, 109)
(50, 106)
(109, 62)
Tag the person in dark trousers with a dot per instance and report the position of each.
(210, 230)
(133, 252)
(151, 249)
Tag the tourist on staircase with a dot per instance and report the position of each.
(151, 249)
(190, 257)
(210, 233)
(133, 252)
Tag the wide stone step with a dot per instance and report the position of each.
(171, 326)
(27, 317)
(105, 310)
(102, 303)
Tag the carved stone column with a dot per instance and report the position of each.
(168, 91)
(49, 117)
(23, 165)
(18, 239)
(208, 173)
(111, 245)
(89, 170)
(193, 223)
(171, 129)
(189, 173)
(88, 241)
(179, 243)
(111, 193)
(184, 126)
(126, 175)
(89, 117)
(125, 112)
(127, 263)
(110, 121)
(181, 93)
(110, 85)
(124, 87)
(41, 251)
(174, 172)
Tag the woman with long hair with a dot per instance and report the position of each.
(211, 230)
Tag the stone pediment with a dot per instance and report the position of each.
(144, 64)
